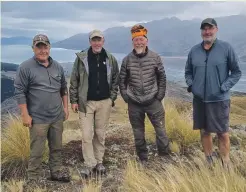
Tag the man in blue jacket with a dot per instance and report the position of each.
(211, 70)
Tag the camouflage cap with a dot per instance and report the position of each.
(96, 33)
(209, 21)
(40, 38)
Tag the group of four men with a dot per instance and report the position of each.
(212, 69)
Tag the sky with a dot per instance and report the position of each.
(60, 20)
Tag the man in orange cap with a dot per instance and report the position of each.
(142, 86)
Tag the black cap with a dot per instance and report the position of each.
(209, 21)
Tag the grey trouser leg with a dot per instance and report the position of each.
(137, 117)
(156, 114)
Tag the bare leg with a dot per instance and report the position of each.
(207, 144)
(224, 147)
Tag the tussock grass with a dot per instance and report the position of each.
(15, 148)
(17, 186)
(178, 127)
(192, 176)
(92, 187)
(238, 111)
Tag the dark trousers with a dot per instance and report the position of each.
(156, 114)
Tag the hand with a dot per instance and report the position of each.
(27, 120)
(189, 89)
(66, 113)
(125, 98)
(75, 107)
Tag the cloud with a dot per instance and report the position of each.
(214, 9)
(61, 20)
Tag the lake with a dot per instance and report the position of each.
(174, 66)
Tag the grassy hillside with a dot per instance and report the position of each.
(184, 171)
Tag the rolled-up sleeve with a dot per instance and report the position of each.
(21, 85)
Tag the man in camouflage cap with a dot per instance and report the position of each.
(41, 93)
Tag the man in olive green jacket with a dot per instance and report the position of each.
(93, 90)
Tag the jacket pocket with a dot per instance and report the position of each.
(198, 81)
(213, 91)
(218, 74)
(56, 80)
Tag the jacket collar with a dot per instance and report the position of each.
(214, 43)
(84, 54)
(38, 62)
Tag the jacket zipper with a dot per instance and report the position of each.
(205, 83)
(48, 75)
(98, 71)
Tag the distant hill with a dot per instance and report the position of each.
(8, 66)
(8, 71)
(169, 37)
(16, 41)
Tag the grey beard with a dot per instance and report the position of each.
(139, 50)
(210, 41)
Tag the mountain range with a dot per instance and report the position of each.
(168, 37)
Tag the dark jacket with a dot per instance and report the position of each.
(78, 90)
(142, 79)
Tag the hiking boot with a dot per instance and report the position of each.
(86, 171)
(100, 168)
(61, 175)
(166, 152)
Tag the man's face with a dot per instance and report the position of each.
(208, 33)
(41, 51)
(139, 44)
(97, 44)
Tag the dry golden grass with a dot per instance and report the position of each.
(15, 147)
(238, 111)
(17, 186)
(192, 176)
(239, 101)
(178, 127)
(92, 187)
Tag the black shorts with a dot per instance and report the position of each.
(211, 117)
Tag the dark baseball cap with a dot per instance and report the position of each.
(40, 38)
(209, 21)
